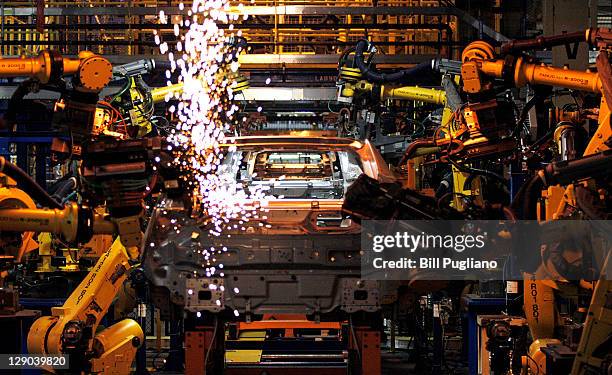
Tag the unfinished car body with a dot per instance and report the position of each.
(282, 260)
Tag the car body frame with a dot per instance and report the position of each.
(301, 254)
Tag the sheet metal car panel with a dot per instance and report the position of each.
(373, 163)
(302, 255)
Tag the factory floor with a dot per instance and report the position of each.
(398, 361)
(401, 361)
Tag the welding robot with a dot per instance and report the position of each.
(113, 166)
(553, 192)
(360, 85)
(121, 158)
(573, 186)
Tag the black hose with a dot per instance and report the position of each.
(63, 188)
(533, 192)
(347, 51)
(16, 101)
(562, 173)
(477, 171)
(592, 166)
(27, 184)
(518, 198)
(422, 72)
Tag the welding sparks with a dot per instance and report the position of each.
(205, 58)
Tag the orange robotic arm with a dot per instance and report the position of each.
(478, 61)
(92, 72)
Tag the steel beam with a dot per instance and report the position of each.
(274, 94)
(280, 61)
(306, 10)
(271, 11)
(242, 26)
(117, 42)
(277, 61)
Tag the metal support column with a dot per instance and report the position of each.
(176, 354)
(438, 340)
(369, 347)
(197, 345)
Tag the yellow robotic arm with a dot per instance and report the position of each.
(92, 72)
(159, 94)
(72, 328)
(414, 93)
(71, 222)
(353, 84)
(135, 103)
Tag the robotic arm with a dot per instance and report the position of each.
(91, 72)
(480, 65)
(559, 183)
(136, 100)
(71, 329)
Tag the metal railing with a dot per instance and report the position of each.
(114, 27)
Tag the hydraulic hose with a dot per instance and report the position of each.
(563, 173)
(27, 184)
(567, 171)
(422, 72)
(63, 187)
(518, 198)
